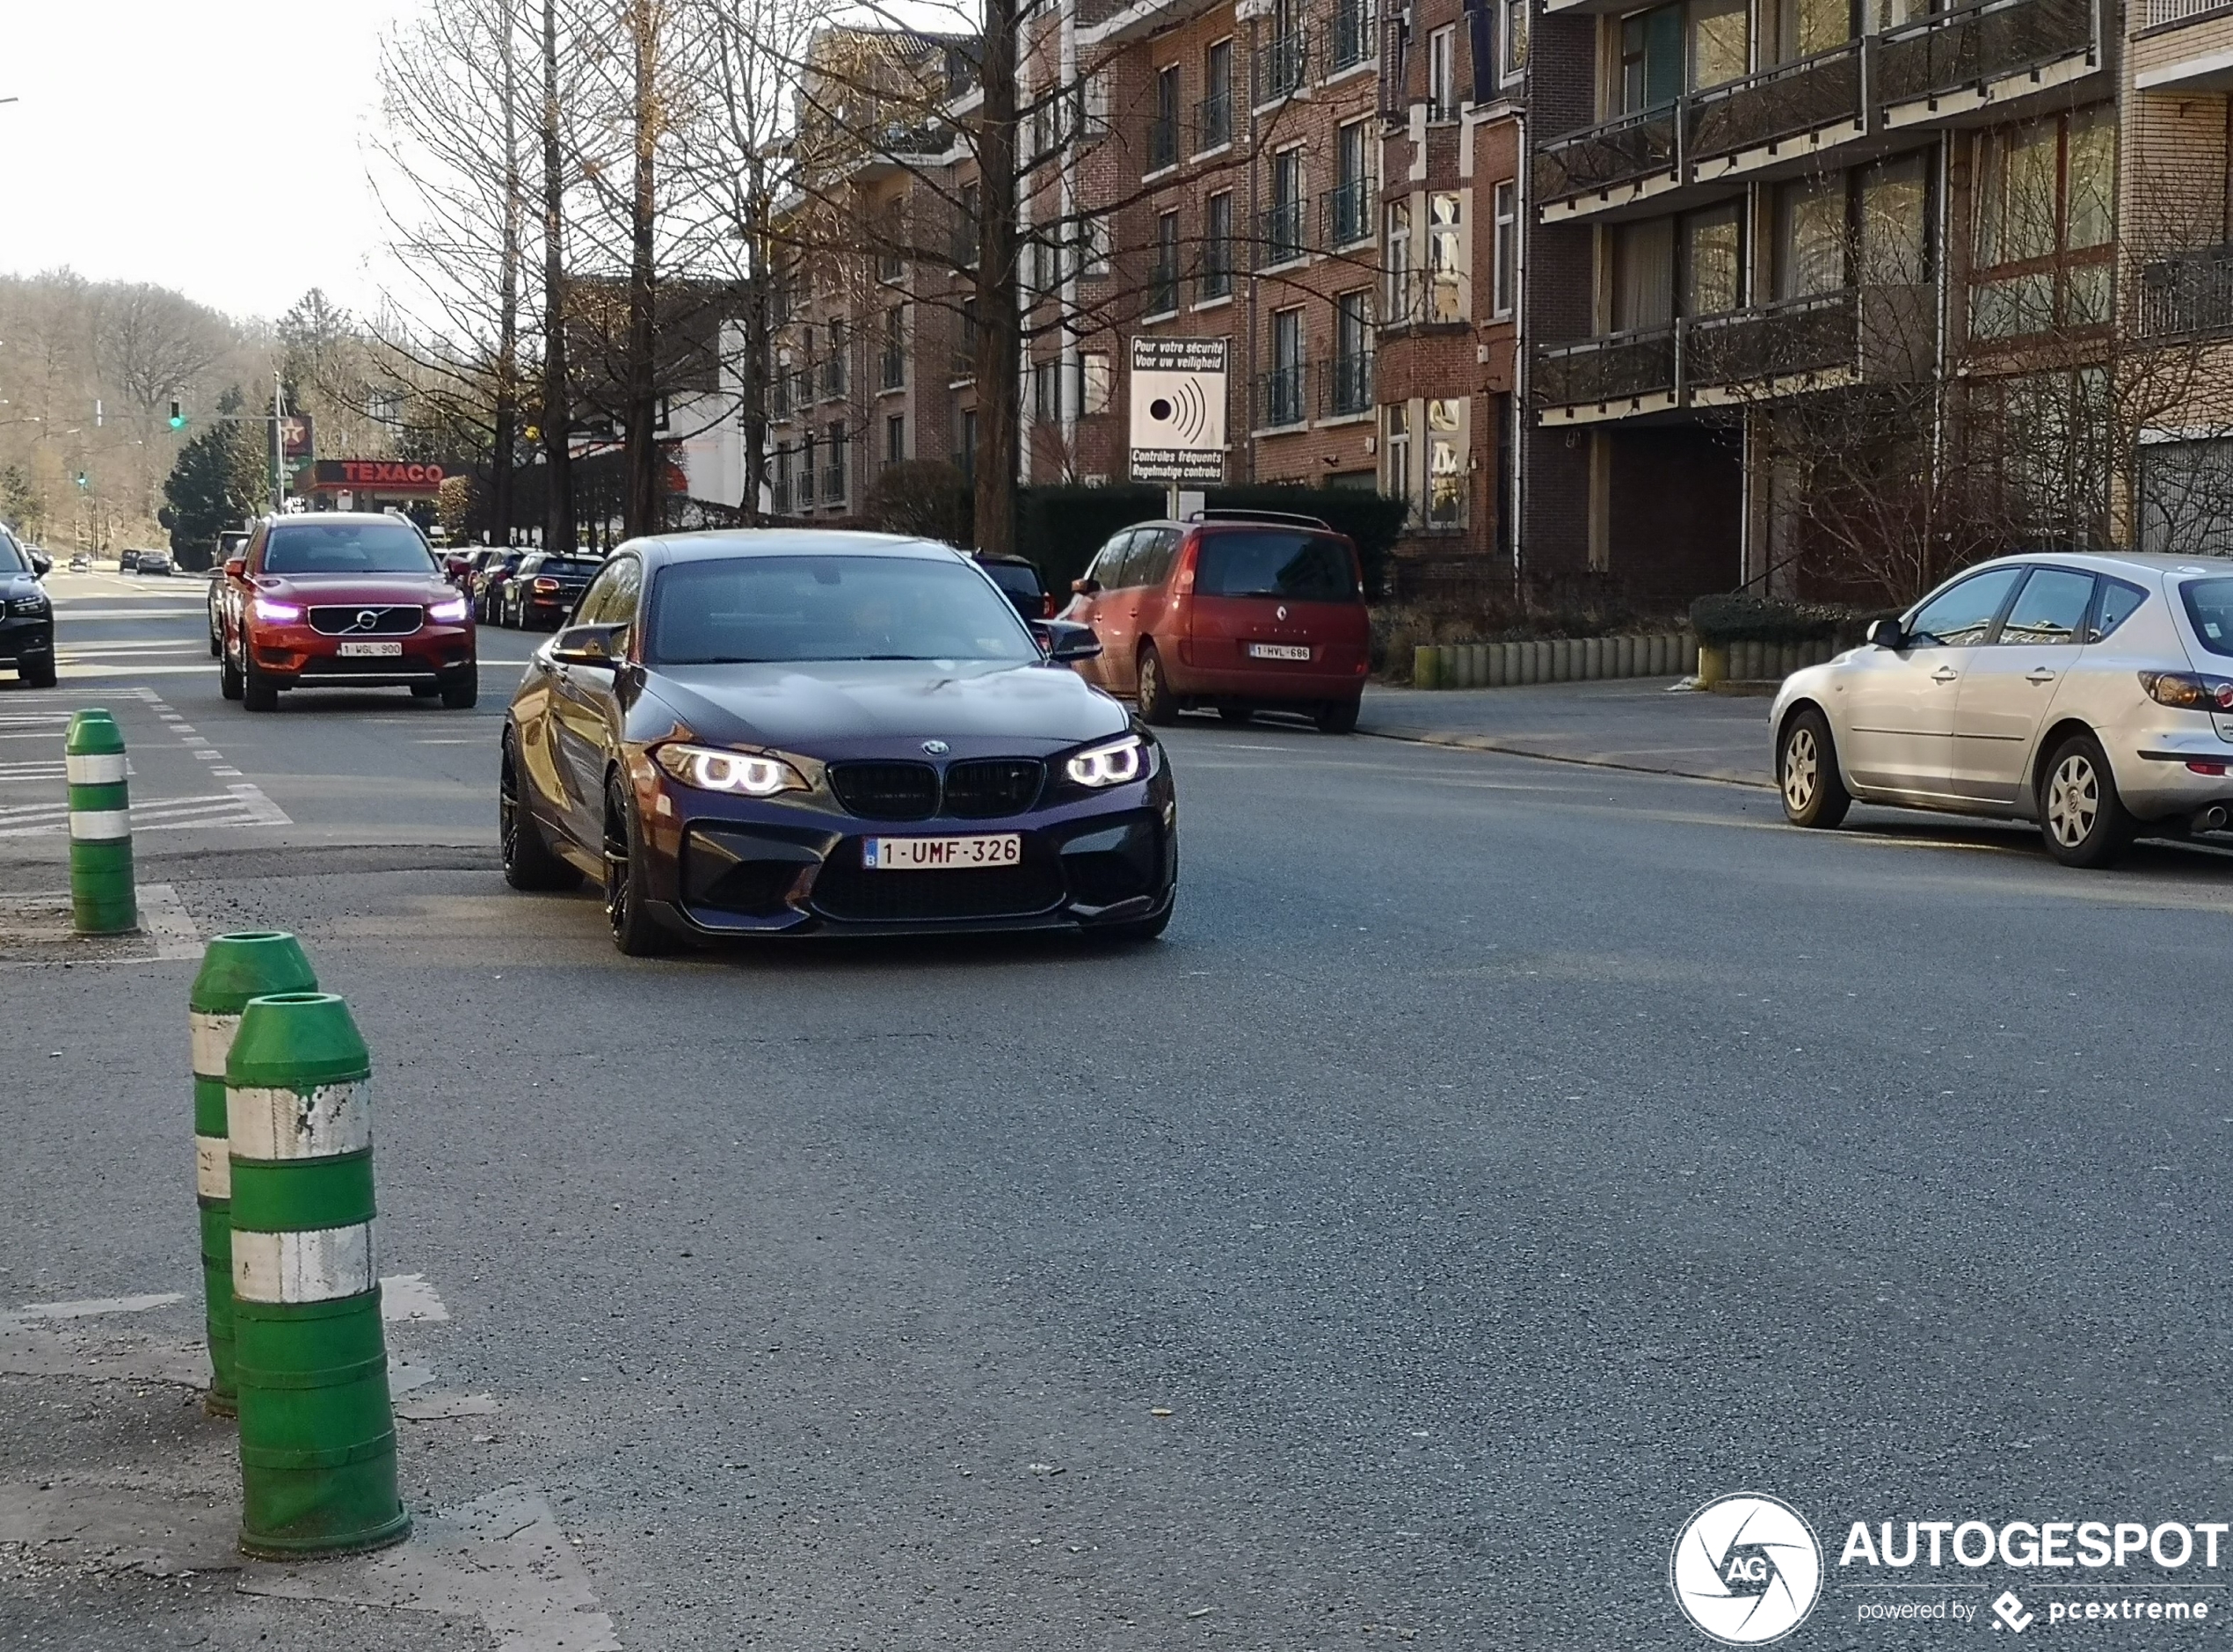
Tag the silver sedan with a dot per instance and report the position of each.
(2093, 694)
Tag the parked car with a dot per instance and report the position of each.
(2090, 693)
(545, 588)
(80, 563)
(1018, 579)
(230, 543)
(791, 732)
(1244, 611)
(488, 584)
(127, 561)
(344, 600)
(26, 614)
(153, 562)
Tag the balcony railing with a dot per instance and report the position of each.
(1422, 298)
(1213, 121)
(1280, 234)
(1776, 103)
(779, 487)
(1282, 63)
(779, 397)
(1280, 400)
(894, 363)
(1804, 335)
(1345, 386)
(1615, 152)
(833, 483)
(1987, 41)
(1348, 211)
(2161, 14)
(1162, 142)
(2189, 293)
(1350, 40)
(1619, 367)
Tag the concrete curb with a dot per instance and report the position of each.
(1483, 743)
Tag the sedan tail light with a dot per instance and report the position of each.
(546, 584)
(1046, 606)
(2188, 690)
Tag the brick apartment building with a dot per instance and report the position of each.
(1572, 277)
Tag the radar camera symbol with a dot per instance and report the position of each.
(1186, 410)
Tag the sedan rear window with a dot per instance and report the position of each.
(754, 609)
(347, 548)
(2209, 604)
(559, 568)
(1275, 563)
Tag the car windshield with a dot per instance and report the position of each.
(764, 608)
(1275, 563)
(2209, 604)
(347, 548)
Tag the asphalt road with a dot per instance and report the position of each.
(1497, 1160)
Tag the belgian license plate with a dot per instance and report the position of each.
(1278, 650)
(372, 651)
(940, 854)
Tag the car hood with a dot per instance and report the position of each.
(843, 708)
(20, 585)
(338, 588)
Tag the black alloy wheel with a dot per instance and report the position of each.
(634, 932)
(528, 863)
(1156, 704)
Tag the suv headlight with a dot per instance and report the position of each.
(709, 769)
(1115, 764)
(449, 613)
(33, 605)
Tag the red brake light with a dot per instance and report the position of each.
(546, 584)
(1046, 606)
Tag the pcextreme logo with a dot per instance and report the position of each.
(1746, 1570)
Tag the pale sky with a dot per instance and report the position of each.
(214, 146)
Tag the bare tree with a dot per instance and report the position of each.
(152, 343)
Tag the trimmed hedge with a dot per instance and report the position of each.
(1060, 527)
(1737, 616)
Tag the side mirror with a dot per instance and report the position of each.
(1086, 587)
(598, 645)
(1066, 641)
(41, 564)
(235, 567)
(1885, 634)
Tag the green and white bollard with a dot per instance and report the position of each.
(101, 898)
(235, 968)
(317, 1434)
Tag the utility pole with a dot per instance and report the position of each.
(279, 446)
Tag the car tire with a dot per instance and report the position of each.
(1339, 716)
(36, 673)
(257, 691)
(1813, 791)
(1238, 715)
(627, 908)
(461, 692)
(216, 644)
(1157, 703)
(2083, 820)
(229, 682)
(528, 863)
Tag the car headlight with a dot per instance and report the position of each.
(712, 769)
(28, 605)
(447, 613)
(277, 613)
(1111, 765)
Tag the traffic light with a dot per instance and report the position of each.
(81, 480)
(178, 414)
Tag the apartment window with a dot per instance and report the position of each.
(1895, 224)
(1351, 391)
(1395, 263)
(833, 363)
(1163, 128)
(1352, 42)
(1504, 229)
(895, 348)
(1283, 222)
(1812, 25)
(1094, 382)
(1046, 391)
(1283, 385)
(965, 446)
(1446, 462)
(1651, 58)
(1093, 240)
(1810, 232)
(894, 438)
(1349, 215)
(1442, 56)
(834, 470)
(1512, 39)
(1713, 261)
(1213, 120)
(1163, 278)
(806, 470)
(1448, 263)
(1720, 42)
(965, 228)
(1643, 275)
(965, 349)
(1395, 449)
(1217, 246)
(2046, 206)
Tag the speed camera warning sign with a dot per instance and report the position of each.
(1178, 409)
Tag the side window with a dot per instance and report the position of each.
(1152, 564)
(2049, 609)
(601, 603)
(1961, 617)
(1112, 565)
(2117, 602)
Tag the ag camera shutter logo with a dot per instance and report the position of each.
(1746, 1570)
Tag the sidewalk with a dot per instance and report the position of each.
(1631, 723)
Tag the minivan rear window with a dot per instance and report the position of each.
(1275, 562)
(2209, 604)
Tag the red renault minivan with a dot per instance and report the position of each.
(1242, 610)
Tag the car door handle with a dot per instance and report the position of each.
(2040, 674)
(1945, 673)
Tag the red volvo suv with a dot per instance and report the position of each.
(344, 600)
(1246, 611)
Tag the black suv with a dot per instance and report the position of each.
(26, 616)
